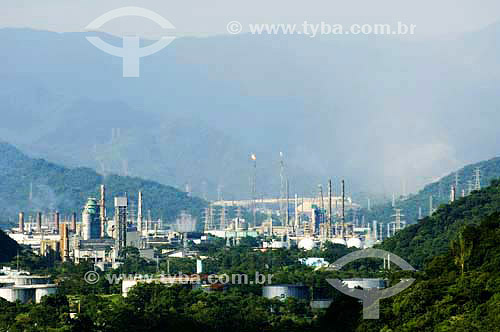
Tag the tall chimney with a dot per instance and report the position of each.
(39, 222)
(64, 243)
(453, 194)
(21, 222)
(102, 214)
(343, 209)
(330, 201)
(56, 221)
(73, 222)
(139, 213)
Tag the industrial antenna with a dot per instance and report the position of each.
(477, 179)
(139, 213)
(343, 210)
(102, 212)
(297, 220)
(330, 201)
(287, 214)
(254, 189)
(282, 188)
(320, 189)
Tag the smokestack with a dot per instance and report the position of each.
(330, 200)
(64, 242)
(56, 221)
(73, 222)
(21, 222)
(287, 206)
(39, 222)
(343, 209)
(296, 212)
(139, 213)
(103, 210)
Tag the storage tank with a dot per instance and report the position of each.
(285, 290)
(306, 244)
(354, 242)
(41, 292)
(365, 283)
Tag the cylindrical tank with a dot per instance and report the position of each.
(365, 283)
(354, 242)
(283, 291)
(306, 244)
(41, 292)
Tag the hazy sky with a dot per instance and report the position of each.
(199, 17)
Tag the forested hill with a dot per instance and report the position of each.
(439, 190)
(456, 291)
(8, 247)
(66, 190)
(419, 243)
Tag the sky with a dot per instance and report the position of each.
(201, 17)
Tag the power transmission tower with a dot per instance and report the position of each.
(477, 179)
(398, 221)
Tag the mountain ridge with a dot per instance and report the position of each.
(54, 187)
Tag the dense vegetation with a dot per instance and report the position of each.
(8, 247)
(58, 188)
(431, 236)
(457, 286)
(439, 190)
(457, 291)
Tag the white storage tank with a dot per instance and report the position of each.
(306, 244)
(285, 290)
(354, 242)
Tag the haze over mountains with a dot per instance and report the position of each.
(35, 185)
(372, 109)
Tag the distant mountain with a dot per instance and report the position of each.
(440, 191)
(66, 190)
(419, 243)
(371, 109)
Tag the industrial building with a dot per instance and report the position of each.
(97, 237)
(21, 286)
